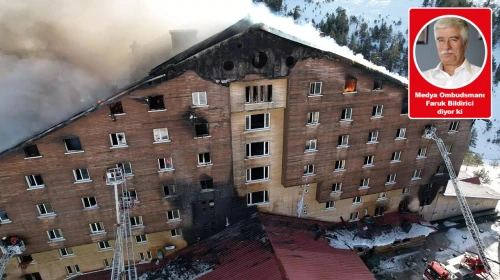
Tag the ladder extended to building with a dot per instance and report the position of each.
(8, 252)
(430, 132)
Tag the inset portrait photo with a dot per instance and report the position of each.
(449, 52)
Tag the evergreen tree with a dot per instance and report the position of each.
(453, 3)
(352, 44)
(473, 138)
(426, 3)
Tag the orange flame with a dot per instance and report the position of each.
(350, 85)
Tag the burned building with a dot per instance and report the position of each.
(248, 117)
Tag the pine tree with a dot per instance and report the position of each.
(352, 44)
(426, 3)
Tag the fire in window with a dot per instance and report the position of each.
(350, 85)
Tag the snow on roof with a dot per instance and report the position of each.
(472, 190)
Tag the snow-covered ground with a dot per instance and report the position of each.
(493, 173)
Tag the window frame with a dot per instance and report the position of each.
(73, 267)
(355, 85)
(376, 113)
(396, 156)
(357, 200)
(267, 122)
(373, 137)
(165, 164)
(379, 211)
(370, 159)
(250, 198)
(313, 89)
(160, 132)
(309, 143)
(391, 179)
(161, 97)
(169, 187)
(47, 213)
(142, 240)
(136, 221)
(343, 141)
(28, 154)
(81, 175)
(7, 220)
(442, 168)
(68, 151)
(59, 232)
(364, 183)
(117, 137)
(346, 115)
(337, 187)
(197, 101)
(308, 170)
(406, 191)
(454, 126)
(68, 252)
(99, 228)
(341, 165)
(266, 171)
(106, 245)
(356, 218)
(115, 105)
(401, 130)
(123, 164)
(204, 158)
(88, 199)
(175, 214)
(419, 154)
(448, 148)
(207, 129)
(248, 149)
(330, 205)
(382, 196)
(313, 118)
(177, 231)
(33, 178)
(149, 255)
(419, 171)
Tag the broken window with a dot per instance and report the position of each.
(416, 173)
(354, 216)
(313, 118)
(31, 151)
(382, 195)
(454, 126)
(441, 170)
(96, 227)
(356, 200)
(257, 149)
(346, 114)
(81, 175)
(315, 88)
(126, 167)
(340, 165)
(364, 183)
(199, 99)
(176, 232)
(55, 234)
(170, 190)
(401, 133)
(73, 144)
(373, 136)
(201, 130)
(379, 211)
(66, 252)
(337, 187)
(72, 269)
(343, 140)
(330, 205)
(311, 145)
(35, 181)
(45, 209)
(207, 184)
(377, 85)
(257, 174)
(136, 221)
(3, 216)
(258, 121)
(173, 215)
(131, 195)
(257, 197)
(259, 94)
(161, 135)
(89, 202)
(350, 85)
(118, 139)
(404, 106)
(141, 238)
(309, 169)
(116, 108)
(204, 159)
(422, 152)
(396, 156)
(156, 103)
(369, 160)
(165, 164)
(406, 190)
(391, 178)
(377, 111)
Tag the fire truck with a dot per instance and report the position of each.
(464, 266)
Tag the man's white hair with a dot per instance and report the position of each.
(453, 21)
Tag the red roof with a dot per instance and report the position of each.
(473, 180)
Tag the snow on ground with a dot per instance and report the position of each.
(399, 262)
(493, 173)
(344, 239)
(458, 245)
(449, 224)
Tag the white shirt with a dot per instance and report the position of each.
(463, 75)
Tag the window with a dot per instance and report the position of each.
(377, 111)
(31, 151)
(131, 195)
(337, 187)
(3, 217)
(73, 269)
(199, 99)
(258, 94)
(428, 187)
(396, 156)
(73, 145)
(141, 238)
(176, 232)
(404, 106)
(356, 200)
(161, 135)
(66, 252)
(55, 234)
(340, 165)
(126, 167)
(311, 145)
(97, 228)
(369, 160)
(165, 164)
(89, 202)
(207, 184)
(313, 118)
(257, 197)
(136, 221)
(32, 276)
(315, 88)
(377, 85)
(391, 178)
(107, 263)
(118, 139)
(406, 190)
(146, 256)
(422, 152)
(373, 136)
(156, 103)
(202, 130)
(258, 121)
(258, 173)
(401, 133)
(441, 170)
(330, 205)
(346, 114)
(257, 149)
(173, 215)
(308, 169)
(35, 181)
(416, 173)
(343, 141)
(379, 211)
(454, 126)
(103, 245)
(81, 175)
(204, 159)
(448, 148)
(350, 85)
(45, 209)
(170, 190)
(364, 183)
(354, 216)
(116, 108)
(382, 195)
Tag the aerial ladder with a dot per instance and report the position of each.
(430, 133)
(10, 247)
(123, 264)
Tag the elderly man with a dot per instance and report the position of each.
(454, 70)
